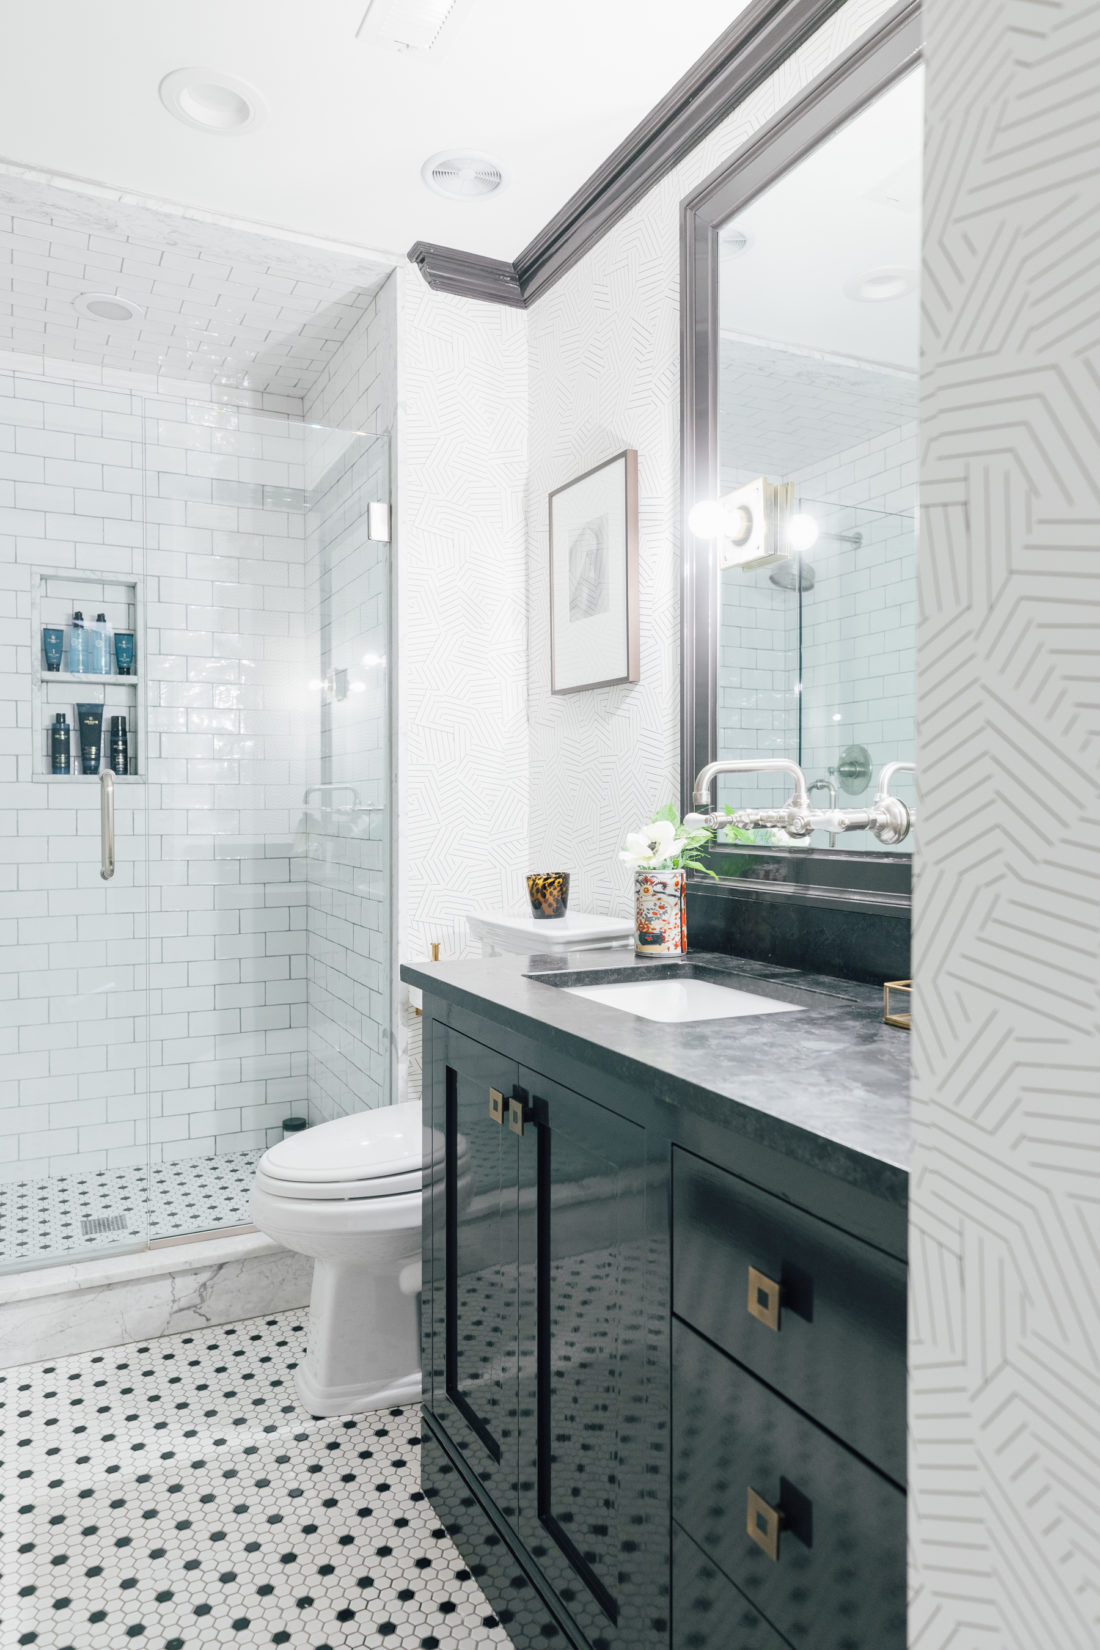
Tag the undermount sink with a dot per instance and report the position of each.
(672, 1000)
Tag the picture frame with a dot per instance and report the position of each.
(594, 639)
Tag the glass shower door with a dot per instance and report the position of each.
(268, 748)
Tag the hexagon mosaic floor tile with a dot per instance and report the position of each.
(66, 1216)
(174, 1495)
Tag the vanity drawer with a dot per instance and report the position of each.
(834, 1577)
(708, 1613)
(817, 1314)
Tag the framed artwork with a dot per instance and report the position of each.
(594, 577)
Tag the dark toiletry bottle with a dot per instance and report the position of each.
(90, 721)
(124, 651)
(53, 645)
(59, 744)
(120, 746)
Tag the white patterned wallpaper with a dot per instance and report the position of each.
(461, 465)
(1005, 1198)
(605, 374)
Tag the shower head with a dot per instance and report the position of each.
(795, 573)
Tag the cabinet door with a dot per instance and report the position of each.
(594, 1488)
(474, 1265)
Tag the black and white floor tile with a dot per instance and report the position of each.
(175, 1496)
(72, 1214)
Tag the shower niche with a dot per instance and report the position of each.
(55, 596)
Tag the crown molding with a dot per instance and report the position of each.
(742, 57)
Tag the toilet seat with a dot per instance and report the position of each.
(362, 1186)
(371, 1154)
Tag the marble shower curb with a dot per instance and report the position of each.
(87, 1305)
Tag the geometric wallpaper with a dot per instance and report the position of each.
(461, 462)
(1005, 1190)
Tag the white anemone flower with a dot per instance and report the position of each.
(652, 846)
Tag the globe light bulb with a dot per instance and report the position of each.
(802, 531)
(705, 519)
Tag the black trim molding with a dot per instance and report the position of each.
(465, 275)
(750, 50)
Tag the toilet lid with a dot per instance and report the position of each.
(368, 1145)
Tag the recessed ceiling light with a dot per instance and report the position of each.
(462, 175)
(212, 102)
(108, 308)
(879, 286)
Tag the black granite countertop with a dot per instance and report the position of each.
(828, 1086)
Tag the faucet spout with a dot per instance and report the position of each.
(705, 778)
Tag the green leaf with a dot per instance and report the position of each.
(668, 813)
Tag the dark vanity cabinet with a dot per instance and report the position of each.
(664, 1401)
(547, 1237)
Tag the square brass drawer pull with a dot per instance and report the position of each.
(764, 1298)
(763, 1523)
(496, 1106)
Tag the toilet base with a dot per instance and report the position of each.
(356, 1398)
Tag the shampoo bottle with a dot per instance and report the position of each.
(78, 647)
(99, 646)
(59, 745)
(120, 746)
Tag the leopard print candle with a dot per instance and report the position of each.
(549, 893)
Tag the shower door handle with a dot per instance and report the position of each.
(106, 824)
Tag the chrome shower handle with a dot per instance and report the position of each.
(106, 824)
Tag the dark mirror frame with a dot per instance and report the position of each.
(881, 57)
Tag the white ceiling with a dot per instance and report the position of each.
(851, 206)
(546, 90)
(220, 305)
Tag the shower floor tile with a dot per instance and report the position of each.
(67, 1214)
(174, 1495)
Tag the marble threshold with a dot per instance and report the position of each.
(82, 1306)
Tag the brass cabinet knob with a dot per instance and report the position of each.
(515, 1116)
(764, 1298)
(763, 1523)
(496, 1106)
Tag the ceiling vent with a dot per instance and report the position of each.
(462, 176)
(406, 25)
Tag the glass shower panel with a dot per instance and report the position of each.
(73, 942)
(857, 619)
(268, 729)
(345, 831)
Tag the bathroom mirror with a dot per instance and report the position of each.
(801, 341)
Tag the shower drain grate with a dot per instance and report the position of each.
(100, 1225)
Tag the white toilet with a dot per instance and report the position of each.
(349, 1194)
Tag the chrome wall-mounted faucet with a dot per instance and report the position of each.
(825, 785)
(888, 818)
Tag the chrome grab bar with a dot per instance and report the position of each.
(106, 824)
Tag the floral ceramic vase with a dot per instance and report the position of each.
(660, 923)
